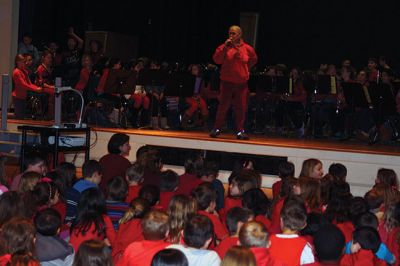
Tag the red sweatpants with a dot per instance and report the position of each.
(236, 95)
(140, 100)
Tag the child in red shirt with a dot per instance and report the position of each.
(190, 179)
(235, 218)
(155, 230)
(239, 183)
(91, 221)
(205, 197)
(130, 228)
(365, 244)
(169, 182)
(256, 200)
(254, 235)
(134, 177)
(293, 219)
(285, 170)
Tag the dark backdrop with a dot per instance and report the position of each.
(305, 33)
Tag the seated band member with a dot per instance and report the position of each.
(196, 102)
(292, 104)
(236, 58)
(22, 84)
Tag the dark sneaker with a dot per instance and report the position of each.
(242, 135)
(214, 132)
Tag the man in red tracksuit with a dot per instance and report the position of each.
(236, 58)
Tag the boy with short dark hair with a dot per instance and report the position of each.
(134, 177)
(293, 220)
(209, 173)
(205, 197)
(339, 171)
(117, 189)
(50, 248)
(197, 236)
(235, 218)
(365, 244)
(91, 172)
(169, 182)
(329, 243)
(155, 230)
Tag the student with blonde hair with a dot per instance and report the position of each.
(237, 256)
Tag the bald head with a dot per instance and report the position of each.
(235, 33)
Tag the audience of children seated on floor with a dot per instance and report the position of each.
(152, 216)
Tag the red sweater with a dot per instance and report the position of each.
(133, 193)
(77, 238)
(141, 253)
(263, 257)
(112, 165)
(43, 76)
(361, 258)
(225, 245)
(22, 84)
(235, 62)
(219, 229)
(187, 183)
(83, 79)
(103, 80)
(281, 247)
(128, 233)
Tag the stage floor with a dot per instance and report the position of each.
(255, 139)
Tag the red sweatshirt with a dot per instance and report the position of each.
(133, 193)
(77, 238)
(103, 80)
(187, 183)
(281, 247)
(361, 258)
(225, 245)
(128, 233)
(276, 217)
(83, 79)
(141, 253)
(229, 203)
(165, 198)
(235, 62)
(219, 229)
(22, 84)
(264, 258)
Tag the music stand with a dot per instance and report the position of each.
(180, 84)
(282, 85)
(383, 99)
(266, 84)
(324, 84)
(354, 95)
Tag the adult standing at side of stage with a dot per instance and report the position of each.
(236, 58)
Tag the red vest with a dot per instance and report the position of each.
(287, 250)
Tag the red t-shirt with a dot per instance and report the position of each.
(133, 193)
(281, 247)
(128, 233)
(235, 63)
(361, 258)
(263, 257)
(187, 183)
(141, 253)
(219, 229)
(226, 244)
(165, 198)
(77, 238)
